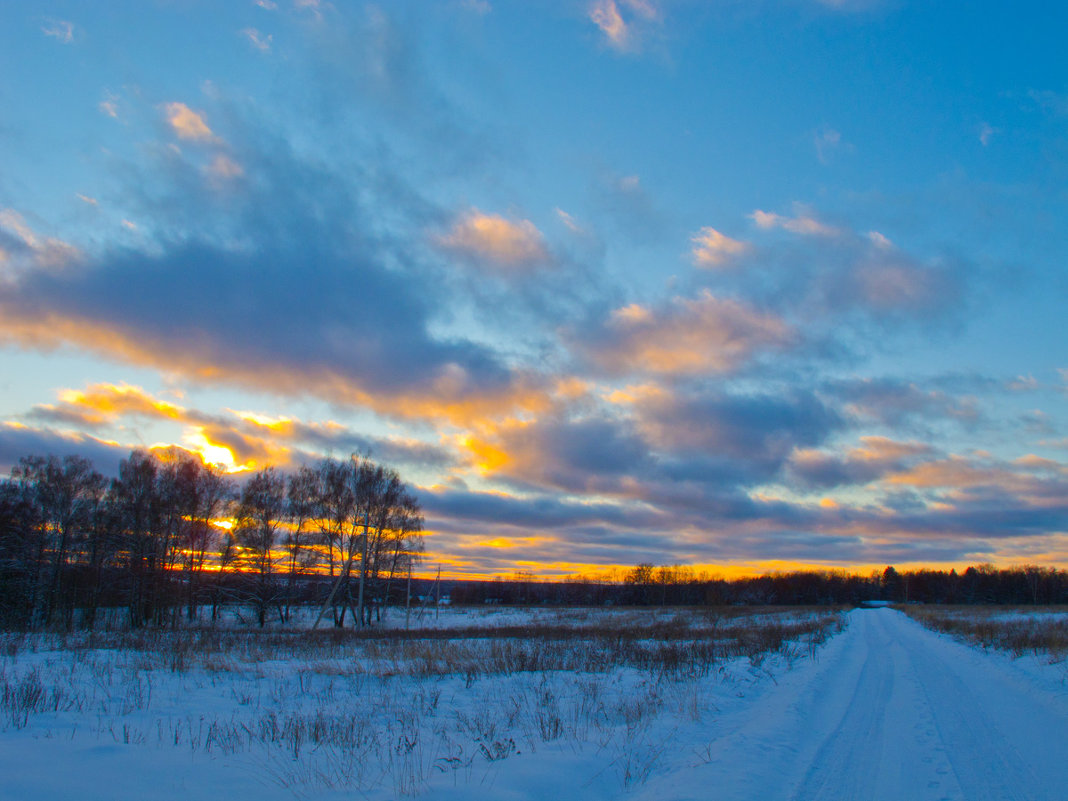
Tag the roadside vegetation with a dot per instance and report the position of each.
(386, 711)
(1041, 631)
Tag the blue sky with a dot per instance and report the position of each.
(749, 285)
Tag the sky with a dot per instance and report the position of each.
(735, 284)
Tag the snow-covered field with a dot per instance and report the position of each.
(574, 704)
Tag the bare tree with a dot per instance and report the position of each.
(67, 493)
(259, 515)
(302, 491)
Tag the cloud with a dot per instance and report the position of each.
(891, 284)
(874, 459)
(713, 249)
(733, 438)
(105, 403)
(572, 225)
(835, 284)
(630, 207)
(109, 105)
(17, 441)
(1055, 103)
(688, 336)
(576, 456)
(605, 15)
(898, 402)
(61, 30)
(490, 238)
(880, 241)
(300, 279)
(26, 249)
(257, 39)
(987, 133)
(803, 224)
(188, 124)
(250, 440)
(224, 167)
(827, 141)
(624, 35)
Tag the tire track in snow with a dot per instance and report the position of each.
(985, 761)
(891, 711)
(853, 752)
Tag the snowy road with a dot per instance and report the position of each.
(891, 711)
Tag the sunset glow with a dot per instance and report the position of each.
(607, 283)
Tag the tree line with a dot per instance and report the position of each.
(681, 585)
(173, 538)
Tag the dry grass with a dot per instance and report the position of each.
(1042, 631)
(387, 709)
(689, 643)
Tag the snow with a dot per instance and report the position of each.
(886, 709)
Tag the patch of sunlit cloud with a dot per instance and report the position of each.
(210, 452)
(187, 123)
(605, 15)
(622, 22)
(106, 402)
(714, 249)
(496, 239)
(803, 224)
(688, 337)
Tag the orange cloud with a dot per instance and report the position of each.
(451, 396)
(803, 224)
(692, 336)
(188, 124)
(106, 402)
(955, 472)
(490, 237)
(877, 449)
(713, 249)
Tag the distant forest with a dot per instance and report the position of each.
(173, 541)
(680, 586)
